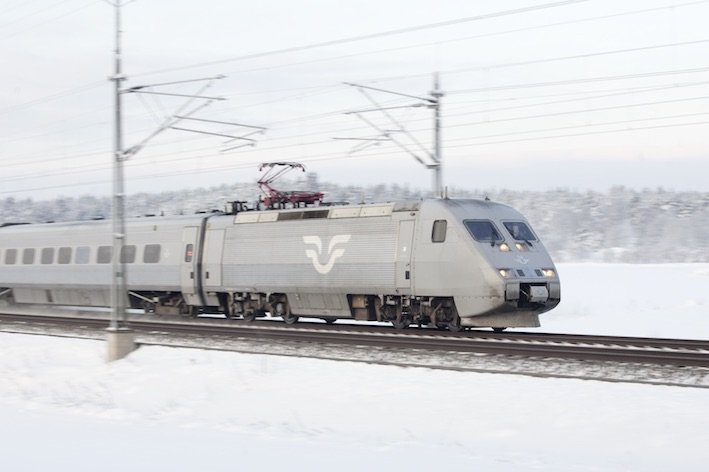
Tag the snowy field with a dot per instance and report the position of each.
(653, 300)
(62, 408)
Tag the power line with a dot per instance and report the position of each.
(543, 61)
(588, 110)
(622, 92)
(20, 3)
(327, 131)
(83, 169)
(508, 141)
(581, 80)
(603, 123)
(466, 38)
(33, 13)
(54, 96)
(300, 119)
(42, 23)
(363, 37)
(95, 84)
(332, 156)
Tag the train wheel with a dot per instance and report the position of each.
(235, 309)
(148, 307)
(454, 325)
(249, 316)
(402, 323)
(499, 330)
(282, 309)
(329, 320)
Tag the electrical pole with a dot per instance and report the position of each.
(431, 159)
(436, 93)
(120, 337)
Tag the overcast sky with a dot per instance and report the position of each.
(577, 94)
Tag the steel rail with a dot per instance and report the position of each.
(680, 353)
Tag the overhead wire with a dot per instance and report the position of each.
(369, 36)
(106, 166)
(330, 131)
(62, 94)
(32, 13)
(49, 20)
(587, 110)
(526, 63)
(95, 84)
(20, 3)
(466, 38)
(300, 119)
(332, 156)
(586, 80)
(541, 61)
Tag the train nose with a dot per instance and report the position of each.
(538, 294)
(527, 294)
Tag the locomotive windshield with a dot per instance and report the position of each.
(483, 230)
(520, 231)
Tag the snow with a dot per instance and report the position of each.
(62, 407)
(644, 300)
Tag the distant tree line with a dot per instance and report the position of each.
(621, 225)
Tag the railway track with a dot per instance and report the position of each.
(651, 351)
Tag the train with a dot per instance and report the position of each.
(441, 262)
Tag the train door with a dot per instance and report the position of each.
(403, 254)
(212, 259)
(188, 271)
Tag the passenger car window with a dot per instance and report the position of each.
(10, 256)
(438, 234)
(151, 253)
(47, 256)
(28, 256)
(64, 256)
(483, 230)
(188, 252)
(520, 231)
(82, 255)
(128, 254)
(103, 256)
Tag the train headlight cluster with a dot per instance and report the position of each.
(521, 246)
(504, 247)
(506, 273)
(549, 273)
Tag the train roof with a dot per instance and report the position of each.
(250, 216)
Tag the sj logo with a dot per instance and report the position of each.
(332, 255)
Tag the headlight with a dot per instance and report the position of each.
(549, 273)
(506, 273)
(521, 247)
(504, 247)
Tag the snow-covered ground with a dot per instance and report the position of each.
(653, 300)
(63, 408)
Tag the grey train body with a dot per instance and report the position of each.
(452, 263)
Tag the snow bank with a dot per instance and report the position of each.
(651, 300)
(63, 408)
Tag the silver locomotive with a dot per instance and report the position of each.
(449, 263)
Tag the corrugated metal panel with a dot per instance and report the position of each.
(323, 254)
